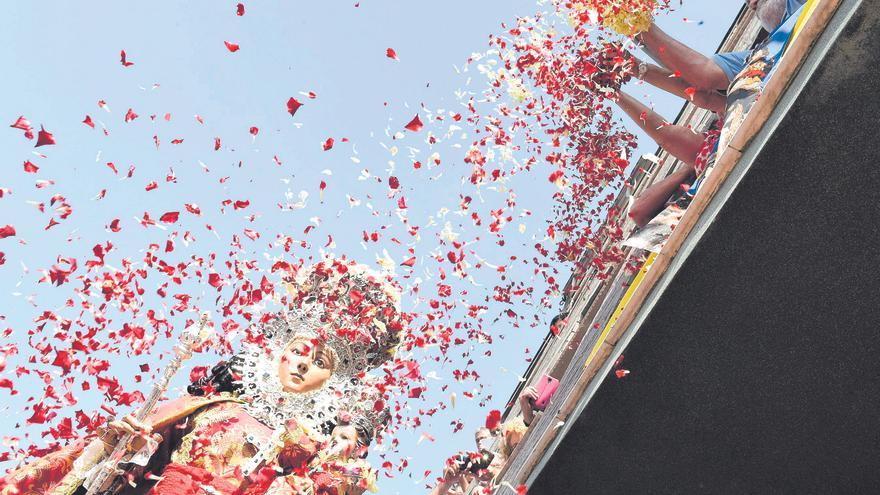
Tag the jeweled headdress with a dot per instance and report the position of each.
(340, 304)
(358, 309)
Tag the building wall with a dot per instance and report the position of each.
(586, 293)
(757, 370)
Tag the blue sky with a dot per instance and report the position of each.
(62, 57)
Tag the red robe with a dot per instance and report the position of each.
(203, 444)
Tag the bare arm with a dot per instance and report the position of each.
(445, 485)
(441, 488)
(664, 79)
(653, 199)
(451, 476)
(528, 394)
(699, 70)
(679, 141)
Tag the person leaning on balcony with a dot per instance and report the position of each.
(688, 74)
(691, 148)
(458, 475)
(514, 429)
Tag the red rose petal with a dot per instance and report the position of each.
(170, 217)
(493, 419)
(292, 106)
(215, 281)
(415, 125)
(44, 138)
(124, 60)
(21, 123)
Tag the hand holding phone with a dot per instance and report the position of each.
(545, 387)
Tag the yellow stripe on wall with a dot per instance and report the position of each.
(623, 302)
(805, 14)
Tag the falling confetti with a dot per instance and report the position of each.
(415, 125)
(443, 210)
(44, 138)
(292, 106)
(124, 60)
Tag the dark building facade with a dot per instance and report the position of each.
(757, 370)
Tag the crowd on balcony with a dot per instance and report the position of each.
(726, 84)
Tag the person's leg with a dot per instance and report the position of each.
(679, 141)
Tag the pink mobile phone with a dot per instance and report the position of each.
(546, 387)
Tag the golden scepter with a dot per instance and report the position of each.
(98, 471)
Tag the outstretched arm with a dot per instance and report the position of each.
(653, 199)
(444, 487)
(679, 141)
(697, 69)
(664, 79)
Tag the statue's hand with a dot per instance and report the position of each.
(141, 432)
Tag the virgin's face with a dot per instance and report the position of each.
(304, 367)
(343, 439)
